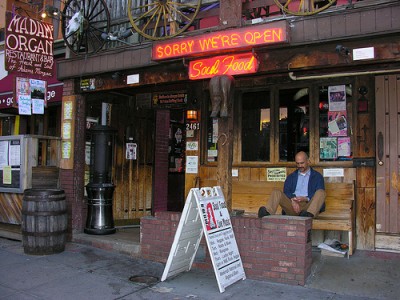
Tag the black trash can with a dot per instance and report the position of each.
(44, 221)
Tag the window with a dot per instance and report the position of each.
(294, 123)
(256, 126)
(275, 124)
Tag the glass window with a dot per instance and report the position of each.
(334, 117)
(294, 123)
(256, 126)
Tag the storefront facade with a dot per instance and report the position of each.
(325, 84)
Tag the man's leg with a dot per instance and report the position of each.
(316, 202)
(279, 198)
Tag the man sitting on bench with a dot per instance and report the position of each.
(303, 192)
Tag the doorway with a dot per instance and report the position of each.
(169, 161)
(176, 160)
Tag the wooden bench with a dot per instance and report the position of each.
(339, 214)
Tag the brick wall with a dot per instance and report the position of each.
(275, 248)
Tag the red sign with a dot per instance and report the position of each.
(219, 65)
(246, 37)
(28, 46)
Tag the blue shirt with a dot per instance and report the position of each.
(302, 183)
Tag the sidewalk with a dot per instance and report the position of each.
(85, 272)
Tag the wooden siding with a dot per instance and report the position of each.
(10, 208)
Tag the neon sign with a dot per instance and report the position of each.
(220, 65)
(245, 37)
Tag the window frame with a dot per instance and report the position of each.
(274, 89)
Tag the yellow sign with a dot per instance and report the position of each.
(276, 174)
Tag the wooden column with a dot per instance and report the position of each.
(225, 155)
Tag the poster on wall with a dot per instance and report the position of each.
(337, 98)
(344, 149)
(30, 95)
(328, 148)
(337, 123)
(38, 95)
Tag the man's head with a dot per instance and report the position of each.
(302, 161)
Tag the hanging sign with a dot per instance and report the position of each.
(28, 46)
(205, 211)
(238, 38)
(223, 65)
(169, 99)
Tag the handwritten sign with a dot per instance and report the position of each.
(28, 46)
(205, 211)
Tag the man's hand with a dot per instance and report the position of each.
(296, 206)
(295, 202)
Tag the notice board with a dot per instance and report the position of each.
(205, 211)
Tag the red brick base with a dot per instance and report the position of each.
(275, 248)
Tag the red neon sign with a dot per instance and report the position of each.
(245, 37)
(220, 65)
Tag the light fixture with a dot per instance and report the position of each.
(191, 115)
(50, 11)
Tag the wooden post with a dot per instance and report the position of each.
(222, 93)
(225, 155)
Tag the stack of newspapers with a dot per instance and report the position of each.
(333, 248)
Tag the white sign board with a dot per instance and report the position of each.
(205, 211)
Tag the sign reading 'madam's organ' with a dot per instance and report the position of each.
(239, 38)
(29, 46)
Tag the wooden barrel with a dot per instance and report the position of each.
(44, 221)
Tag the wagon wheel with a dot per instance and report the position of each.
(303, 7)
(162, 19)
(83, 22)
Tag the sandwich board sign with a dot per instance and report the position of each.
(205, 212)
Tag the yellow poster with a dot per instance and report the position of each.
(7, 178)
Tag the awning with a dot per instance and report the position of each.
(54, 89)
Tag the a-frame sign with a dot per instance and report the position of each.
(205, 212)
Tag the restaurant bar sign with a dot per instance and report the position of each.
(238, 38)
(169, 99)
(223, 65)
(28, 46)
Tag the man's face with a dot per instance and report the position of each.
(302, 163)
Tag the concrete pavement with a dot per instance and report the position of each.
(85, 272)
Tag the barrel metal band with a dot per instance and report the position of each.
(43, 234)
(44, 213)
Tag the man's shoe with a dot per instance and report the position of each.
(262, 212)
(304, 213)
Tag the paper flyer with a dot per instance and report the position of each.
(337, 123)
(337, 98)
(328, 148)
(344, 148)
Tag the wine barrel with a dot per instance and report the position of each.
(44, 221)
